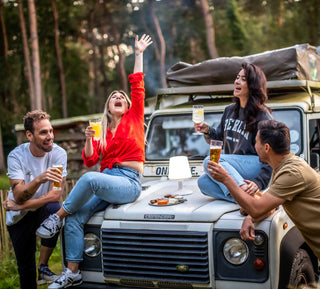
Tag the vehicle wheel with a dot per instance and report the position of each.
(302, 273)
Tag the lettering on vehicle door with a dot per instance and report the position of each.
(163, 171)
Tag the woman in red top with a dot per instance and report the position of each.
(122, 150)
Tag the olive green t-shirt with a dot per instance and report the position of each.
(299, 185)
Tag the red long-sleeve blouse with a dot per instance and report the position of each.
(128, 142)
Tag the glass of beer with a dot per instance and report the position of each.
(215, 150)
(96, 125)
(197, 115)
(56, 185)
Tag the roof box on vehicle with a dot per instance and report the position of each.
(301, 61)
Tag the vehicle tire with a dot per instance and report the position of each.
(302, 272)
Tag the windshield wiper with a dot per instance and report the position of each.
(197, 157)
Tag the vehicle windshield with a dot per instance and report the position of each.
(174, 135)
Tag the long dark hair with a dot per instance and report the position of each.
(257, 86)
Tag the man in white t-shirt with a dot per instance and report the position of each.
(32, 198)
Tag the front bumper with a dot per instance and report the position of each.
(89, 285)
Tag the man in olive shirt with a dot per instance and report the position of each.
(294, 185)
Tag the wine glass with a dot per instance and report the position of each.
(198, 115)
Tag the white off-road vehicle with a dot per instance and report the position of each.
(195, 243)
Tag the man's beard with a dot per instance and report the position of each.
(45, 149)
(261, 160)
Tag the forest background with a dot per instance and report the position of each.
(65, 56)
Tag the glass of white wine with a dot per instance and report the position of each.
(198, 115)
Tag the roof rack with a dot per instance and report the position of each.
(185, 94)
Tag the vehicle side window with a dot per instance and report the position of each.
(314, 137)
(292, 118)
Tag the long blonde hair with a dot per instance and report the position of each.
(107, 117)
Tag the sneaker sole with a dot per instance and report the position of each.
(44, 236)
(75, 283)
(43, 282)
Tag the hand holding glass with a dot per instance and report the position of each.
(215, 150)
(96, 126)
(57, 185)
(198, 114)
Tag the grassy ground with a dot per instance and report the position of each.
(9, 277)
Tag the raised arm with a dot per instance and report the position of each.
(140, 46)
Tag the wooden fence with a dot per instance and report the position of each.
(5, 243)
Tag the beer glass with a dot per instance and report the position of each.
(197, 115)
(56, 185)
(96, 125)
(215, 150)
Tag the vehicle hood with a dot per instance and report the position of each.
(196, 208)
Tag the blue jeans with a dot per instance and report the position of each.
(239, 167)
(92, 193)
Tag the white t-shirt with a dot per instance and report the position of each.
(23, 165)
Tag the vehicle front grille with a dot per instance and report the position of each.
(162, 256)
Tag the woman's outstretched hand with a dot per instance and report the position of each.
(143, 43)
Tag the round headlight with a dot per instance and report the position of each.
(92, 245)
(235, 251)
(258, 240)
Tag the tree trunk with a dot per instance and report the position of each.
(59, 60)
(2, 162)
(209, 29)
(162, 45)
(120, 67)
(104, 77)
(4, 32)
(121, 70)
(35, 53)
(102, 68)
(281, 9)
(94, 56)
(26, 52)
(5, 44)
(117, 41)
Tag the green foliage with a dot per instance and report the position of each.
(9, 277)
(88, 28)
(238, 33)
(4, 182)
(79, 101)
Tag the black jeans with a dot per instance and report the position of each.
(23, 237)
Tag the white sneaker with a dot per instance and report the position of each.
(49, 227)
(45, 275)
(66, 279)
